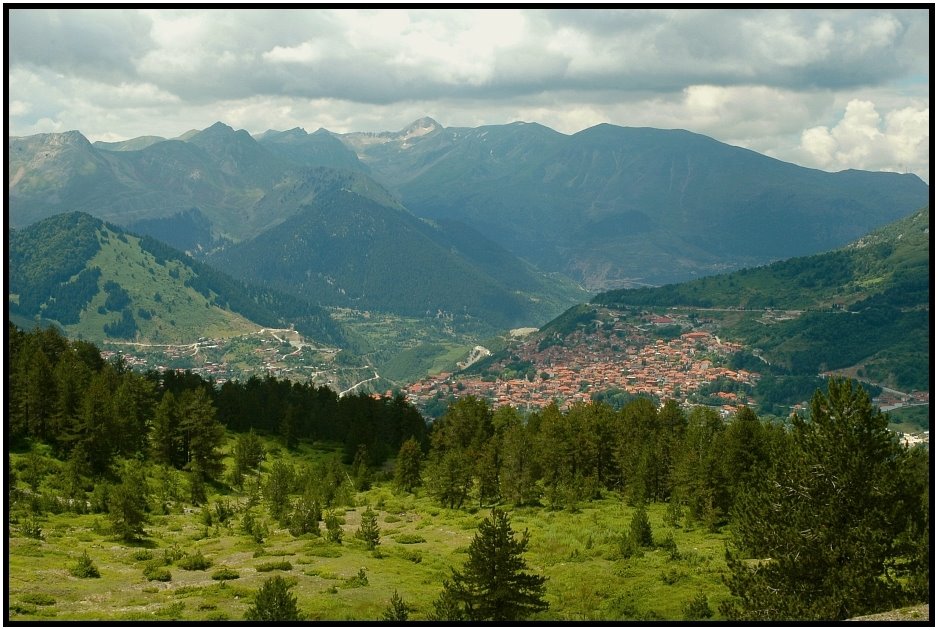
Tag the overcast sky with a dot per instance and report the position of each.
(830, 89)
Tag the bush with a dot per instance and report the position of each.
(84, 568)
(38, 599)
(281, 565)
(667, 544)
(697, 608)
(409, 539)
(31, 528)
(172, 554)
(224, 573)
(141, 555)
(333, 528)
(356, 581)
(155, 572)
(194, 562)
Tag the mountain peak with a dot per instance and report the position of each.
(421, 127)
(219, 126)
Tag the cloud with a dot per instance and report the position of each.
(771, 80)
(864, 139)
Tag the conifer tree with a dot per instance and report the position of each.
(127, 503)
(407, 470)
(202, 433)
(396, 610)
(368, 529)
(274, 602)
(494, 584)
(836, 523)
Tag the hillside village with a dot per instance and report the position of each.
(617, 355)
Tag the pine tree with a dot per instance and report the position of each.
(368, 529)
(836, 522)
(274, 602)
(396, 610)
(165, 438)
(127, 503)
(277, 489)
(202, 433)
(494, 584)
(407, 471)
(248, 454)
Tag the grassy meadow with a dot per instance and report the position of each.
(192, 565)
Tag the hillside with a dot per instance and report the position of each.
(237, 184)
(864, 307)
(97, 281)
(346, 250)
(619, 207)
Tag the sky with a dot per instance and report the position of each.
(830, 89)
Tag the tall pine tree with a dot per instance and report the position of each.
(836, 524)
(494, 584)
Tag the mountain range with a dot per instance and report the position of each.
(496, 224)
(616, 206)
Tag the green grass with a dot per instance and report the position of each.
(577, 551)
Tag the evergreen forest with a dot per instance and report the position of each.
(823, 517)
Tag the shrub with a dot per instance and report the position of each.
(324, 551)
(697, 608)
(84, 568)
(356, 581)
(333, 528)
(224, 573)
(414, 555)
(194, 562)
(39, 599)
(154, 572)
(23, 609)
(668, 545)
(30, 528)
(141, 555)
(409, 539)
(280, 565)
(672, 576)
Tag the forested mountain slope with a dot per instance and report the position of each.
(866, 305)
(97, 281)
(344, 249)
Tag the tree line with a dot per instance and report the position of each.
(95, 412)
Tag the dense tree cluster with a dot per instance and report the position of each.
(63, 393)
(561, 458)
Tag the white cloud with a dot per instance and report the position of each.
(775, 81)
(864, 139)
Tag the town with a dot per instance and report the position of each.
(619, 355)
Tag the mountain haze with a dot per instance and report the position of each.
(496, 223)
(616, 206)
(344, 249)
